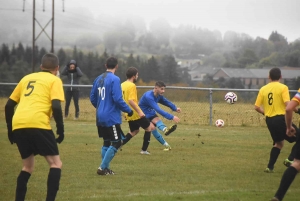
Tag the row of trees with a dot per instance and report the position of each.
(17, 62)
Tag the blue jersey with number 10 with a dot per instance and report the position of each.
(106, 97)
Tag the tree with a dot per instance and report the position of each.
(61, 54)
(151, 71)
(169, 69)
(5, 54)
(20, 51)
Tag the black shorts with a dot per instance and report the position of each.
(35, 141)
(151, 118)
(113, 133)
(277, 128)
(136, 124)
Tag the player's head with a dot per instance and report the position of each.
(159, 88)
(132, 73)
(111, 63)
(50, 62)
(275, 74)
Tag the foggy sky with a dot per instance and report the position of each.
(253, 17)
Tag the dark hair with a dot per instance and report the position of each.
(275, 74)
(131, 71)
(50, 61)
(160, 84)
(111, 62)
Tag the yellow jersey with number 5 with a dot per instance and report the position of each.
(34, 94)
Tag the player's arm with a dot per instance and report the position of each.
(154, 106)
(118, 97)
(136, 108)
(94, 94)
(258, 103)
(58, 117)
(289, 116)
(168, 103)
(259, 110)
(9, 113)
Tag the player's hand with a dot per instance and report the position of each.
(291, 132)
(176, 119)
(178, 110)
(141, 114)
(60, 133)
(298, 111)
(130, 113)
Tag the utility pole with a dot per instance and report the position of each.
(33, 36)
(43, 30)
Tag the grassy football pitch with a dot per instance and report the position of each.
(205, 163)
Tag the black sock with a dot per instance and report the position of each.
(146, 142)
(128, 137)
(286, 180)
(22, 185)
(53, 183)
(292, 154)
(273, 157)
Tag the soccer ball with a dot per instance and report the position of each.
(230, 97)
(220, 123)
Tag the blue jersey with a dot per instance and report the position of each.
(148, 104)
(106, 97)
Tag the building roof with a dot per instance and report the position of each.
(257, 73)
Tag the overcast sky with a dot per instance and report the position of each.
(254, 17)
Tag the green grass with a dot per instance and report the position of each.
(205, 163)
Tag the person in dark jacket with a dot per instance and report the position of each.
(73, 72)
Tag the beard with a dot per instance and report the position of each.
(134, 80)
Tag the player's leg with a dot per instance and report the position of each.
(68, 101)
(45, 145)
(146, 142)
(161, 126)
(277, 128)
(115, 133)
(161, 140)
(28, 166)
(106, 141)
(288, 161)
(289, 174)
(134, 129)
(22, 139)
(76, 103)
(54, 176)
(148, 127)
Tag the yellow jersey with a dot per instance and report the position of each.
(273, 97)
(34, 94)
(130, 93)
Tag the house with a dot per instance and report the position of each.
(255, 78)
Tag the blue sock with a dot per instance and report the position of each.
(110, 153)
(160, 125)
(159, 137)
(103, 151)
